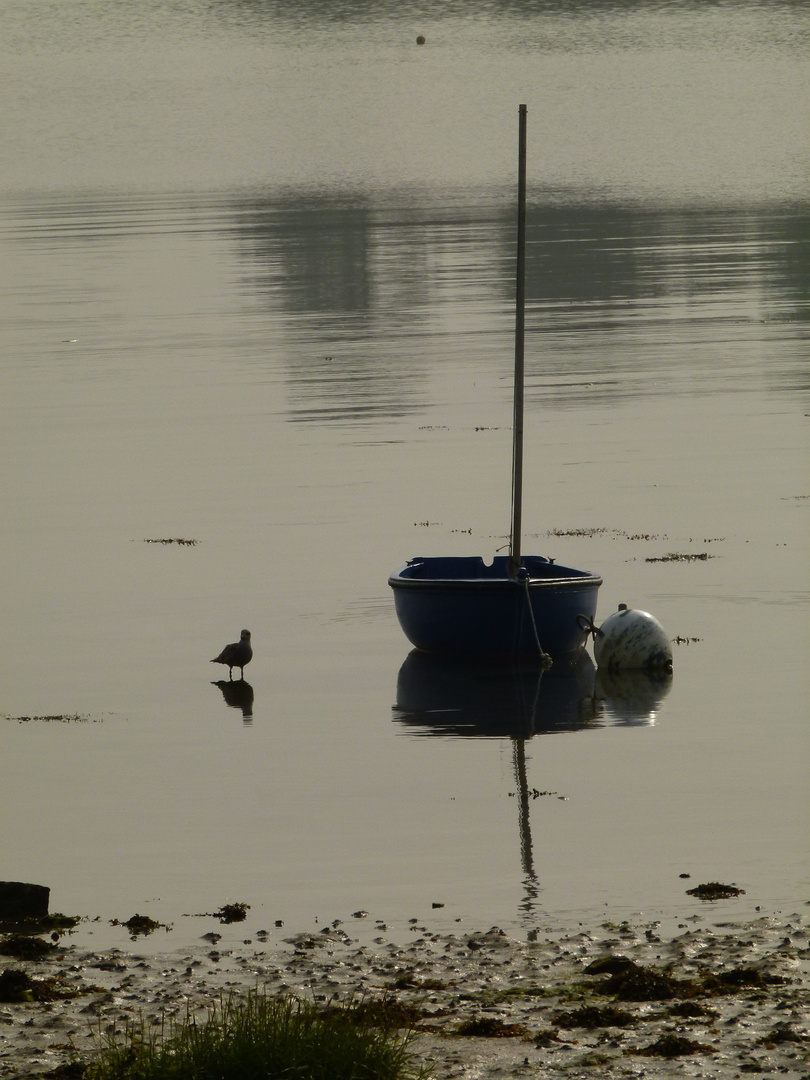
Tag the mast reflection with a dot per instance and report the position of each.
(454, 698)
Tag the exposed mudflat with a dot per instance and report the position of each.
(718, 999)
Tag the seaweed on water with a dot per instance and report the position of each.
(679, 556)
(139, 925)
(172, 540)
(58, 718)
(55, 924)
(231, 913)
(713, 890)
(589, 532)
(25, 947)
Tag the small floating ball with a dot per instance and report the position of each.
(420, 40)
(631, 639)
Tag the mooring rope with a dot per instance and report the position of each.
(588, 627)
(545, 659)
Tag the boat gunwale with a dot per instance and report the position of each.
(585, 579)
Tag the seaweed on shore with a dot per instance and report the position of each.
(386, 1013)
(592, 1016)
(491, 1027)
(16, 985)
(409, 980)
(782, 1033)
(671, 1045)
(629, 981)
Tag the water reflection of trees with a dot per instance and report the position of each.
(326, 12)
(372, 292)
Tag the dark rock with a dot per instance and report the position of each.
(21, 900)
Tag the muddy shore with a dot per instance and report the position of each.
(714, 999)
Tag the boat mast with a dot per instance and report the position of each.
(520, 301)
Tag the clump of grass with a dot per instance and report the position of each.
(261, 1038)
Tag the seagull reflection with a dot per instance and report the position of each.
(238, 695)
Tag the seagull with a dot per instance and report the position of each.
(236, 655)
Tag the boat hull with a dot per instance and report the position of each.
(462, 606)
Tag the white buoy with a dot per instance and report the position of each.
(629, 640)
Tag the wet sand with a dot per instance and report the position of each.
(723, 999)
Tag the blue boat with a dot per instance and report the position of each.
(517, 606)
(463, 606)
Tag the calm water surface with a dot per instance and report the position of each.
(256, 286)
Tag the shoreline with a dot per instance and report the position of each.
(723, 998)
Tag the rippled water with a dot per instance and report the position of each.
(256, 285)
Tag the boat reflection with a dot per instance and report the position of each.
(462, 699)
(455, 697)
(238, 694)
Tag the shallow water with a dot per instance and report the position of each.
(256, 287)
